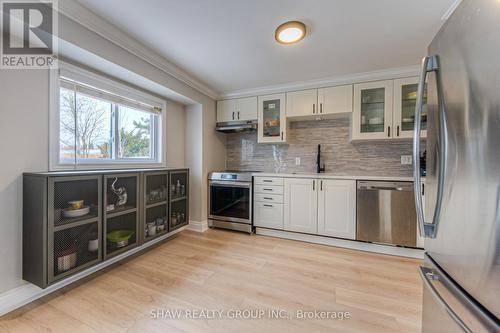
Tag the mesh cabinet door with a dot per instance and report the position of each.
(74, 225)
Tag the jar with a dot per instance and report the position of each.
(93, 244)
(152, 230)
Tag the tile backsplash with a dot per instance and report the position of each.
(339, 154)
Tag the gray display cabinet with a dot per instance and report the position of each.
(57, 244)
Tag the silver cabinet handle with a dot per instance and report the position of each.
(238, 115)
(314, 108)
(314, 185)
(429, 64)
(281, 135)
(382, 188)
(320, 107)
(226, 183)
(321, 185)
(428, 276)
(267, 181)
(268, 205)
(233, 115)
(267, 189)
(267, 198)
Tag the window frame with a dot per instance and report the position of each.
(110, 86)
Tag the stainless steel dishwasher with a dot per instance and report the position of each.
(386, 213)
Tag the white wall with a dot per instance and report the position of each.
(175, 132)
(194, 145)
(214, 152)
(24, 136)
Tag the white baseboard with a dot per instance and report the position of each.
(198, 226)
(27, 293)
(345, 243)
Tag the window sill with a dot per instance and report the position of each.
(106, 166)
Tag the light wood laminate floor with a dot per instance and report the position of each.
(229, 271)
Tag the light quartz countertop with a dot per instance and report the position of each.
(333, 176)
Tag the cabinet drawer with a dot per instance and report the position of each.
(262, 197)
(268, 189)
(268, 215)
(268, 181)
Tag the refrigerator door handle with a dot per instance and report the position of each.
(428, 276)
(429, 64)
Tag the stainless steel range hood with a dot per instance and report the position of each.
(237, 126)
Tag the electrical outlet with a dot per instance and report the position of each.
(297, 160)
(406, 159)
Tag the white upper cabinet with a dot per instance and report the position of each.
(314, 103)
(246, 108)
(226, 110)
(300, 205)
(335, 100)
(337, 208)
(271, 117)
(302, 103)
(372, 116)
(237, 109)
(405, 100)
(386, 109)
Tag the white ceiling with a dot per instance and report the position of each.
(229, 44)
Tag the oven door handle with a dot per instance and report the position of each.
(230, 184)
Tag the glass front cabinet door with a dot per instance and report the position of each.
(271, 119)
(405, 100)
(372, 117)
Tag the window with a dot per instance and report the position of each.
(101, 123)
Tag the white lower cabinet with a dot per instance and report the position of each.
(268, 189)
(300, 205)
(268, 202)
(268, 215)
(264, 197)
(324, 207)
(337, 208)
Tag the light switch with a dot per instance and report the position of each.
(297, 160)
(406, 159)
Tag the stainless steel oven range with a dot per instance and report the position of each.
(230, 200)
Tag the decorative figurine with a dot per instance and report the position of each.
(121, 193)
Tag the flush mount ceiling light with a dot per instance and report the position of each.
(290, 32)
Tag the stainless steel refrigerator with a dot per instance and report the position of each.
(461, 271)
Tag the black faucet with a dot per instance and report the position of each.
(319, 168)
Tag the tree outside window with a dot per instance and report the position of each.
(88, 129)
